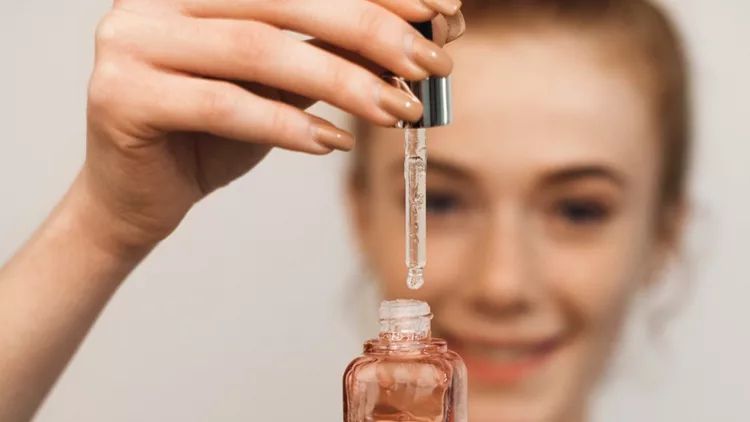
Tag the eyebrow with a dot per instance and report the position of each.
(564, 175)
(580, 172)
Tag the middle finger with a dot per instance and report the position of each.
(360, 26)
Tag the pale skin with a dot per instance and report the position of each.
(166, 128)
(544, 217)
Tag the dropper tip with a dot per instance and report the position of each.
(415, 279)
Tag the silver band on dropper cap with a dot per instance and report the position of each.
(434, 93)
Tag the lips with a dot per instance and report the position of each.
(506, 361)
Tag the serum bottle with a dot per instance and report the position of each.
(405, 375)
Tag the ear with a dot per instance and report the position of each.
(670, 236)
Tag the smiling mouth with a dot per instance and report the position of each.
(504, 362)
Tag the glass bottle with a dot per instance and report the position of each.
(405, 375)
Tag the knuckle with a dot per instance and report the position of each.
(250, 42)
(279, 123)
(109, 30)
(217, 104)
(371, 23)
(288, 125)
(340, 83)
(349, 85)
(116, 101)
(104, 86)
(340, 78)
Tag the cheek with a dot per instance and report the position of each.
(596, 281)
(592, 283)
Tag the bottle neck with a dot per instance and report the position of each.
(404, 321)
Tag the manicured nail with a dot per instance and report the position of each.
(400, 104)
(331, 137)
(445, 7)
(415, 72)
(456, 26)
(430, 57)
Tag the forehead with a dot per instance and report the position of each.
(540, 99)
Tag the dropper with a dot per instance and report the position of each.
(435, 95)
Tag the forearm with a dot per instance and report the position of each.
(51, 292)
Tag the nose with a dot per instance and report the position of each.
(502, 283)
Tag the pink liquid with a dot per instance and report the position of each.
(405, 377)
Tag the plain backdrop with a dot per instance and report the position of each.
(245, 313)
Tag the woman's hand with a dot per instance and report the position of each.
(188, 95)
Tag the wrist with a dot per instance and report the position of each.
(84, 217)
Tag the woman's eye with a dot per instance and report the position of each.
(582, 212)
(439, 204)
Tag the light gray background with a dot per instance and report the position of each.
(242, 314)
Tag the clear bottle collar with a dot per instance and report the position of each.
(404, 320)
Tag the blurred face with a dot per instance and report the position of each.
(542, 207)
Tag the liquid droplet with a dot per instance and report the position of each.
(415, 279)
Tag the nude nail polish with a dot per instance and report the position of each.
(429, 56)
(399, 104)
(331, 137)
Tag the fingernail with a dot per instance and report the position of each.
(446, 7)
(331, 137)
(430, 57)
(400, 104)
(456, 26)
